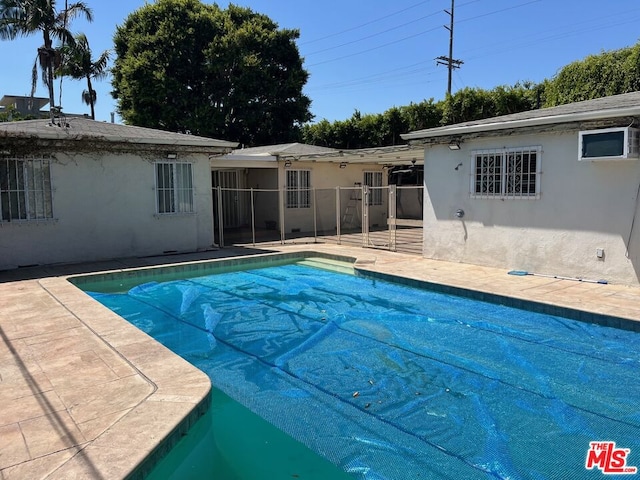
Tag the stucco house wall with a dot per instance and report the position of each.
(324, 178)
(583, 207)
(104, 194)
(265, 168)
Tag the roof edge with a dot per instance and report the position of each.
(527, 122)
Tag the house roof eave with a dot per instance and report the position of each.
(511, 125)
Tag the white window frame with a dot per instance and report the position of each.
(373, 179)
(174, 188)
(506, 173)
(298, 188)
(25, 189)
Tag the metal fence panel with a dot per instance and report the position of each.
(378, 212)
(326, 216)
(388, 217)
(349, 212)
(408, 229)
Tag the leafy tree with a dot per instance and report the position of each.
(78, 64)
(26, 17)
(609, 73)
(373, 130)
(185, 66)
(476, 103)
(426, 114)
(321, 133)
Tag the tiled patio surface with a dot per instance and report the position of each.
(86, 395)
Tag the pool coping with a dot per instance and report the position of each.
(166, 400)
(169, 411)
(537, 306)
(361, 268)
(224, 265)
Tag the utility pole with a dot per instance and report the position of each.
(449, 61)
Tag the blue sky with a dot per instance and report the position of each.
(370, 56)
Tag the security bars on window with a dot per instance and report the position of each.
(506, 173)
(25, 189)
(174, 187)
(298, 189)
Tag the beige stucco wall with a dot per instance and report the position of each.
(583, 206)
(104, 207)
(324, 178)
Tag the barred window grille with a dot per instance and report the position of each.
(25, 189)
(174, 187)
(507, 173)
(374, 181)
(298, 189)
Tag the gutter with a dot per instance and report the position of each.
(527, 122)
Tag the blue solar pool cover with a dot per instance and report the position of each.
(393, 382)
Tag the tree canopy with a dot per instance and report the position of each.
(185, 66)
(608, 73)
(373, 130)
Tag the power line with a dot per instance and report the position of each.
(411, 70)
(374, 48)
(379, 78)
(418, 34)
(364, 24)
(373, 34)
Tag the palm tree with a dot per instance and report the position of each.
(78, 64)
(26, 17)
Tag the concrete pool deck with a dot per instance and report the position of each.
(86, 395)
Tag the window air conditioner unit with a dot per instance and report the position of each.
(620, 143)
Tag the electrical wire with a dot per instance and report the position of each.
(372, 35)
(492, 49)
(357, 27)
(420, 33)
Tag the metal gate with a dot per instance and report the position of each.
(388, 217)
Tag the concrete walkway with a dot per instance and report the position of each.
(84, 394)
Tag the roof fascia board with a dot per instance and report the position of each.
(527, 122)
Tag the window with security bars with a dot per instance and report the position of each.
(298, 189)
(507, 173)
(25, 189)
(174, 187)
(374, 181)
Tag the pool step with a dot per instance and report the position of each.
(328, 264)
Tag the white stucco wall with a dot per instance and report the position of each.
(104, 207)
(583, 206)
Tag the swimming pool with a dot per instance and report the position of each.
(389, 381)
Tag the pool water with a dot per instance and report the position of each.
(387, 381)
(232, 443)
